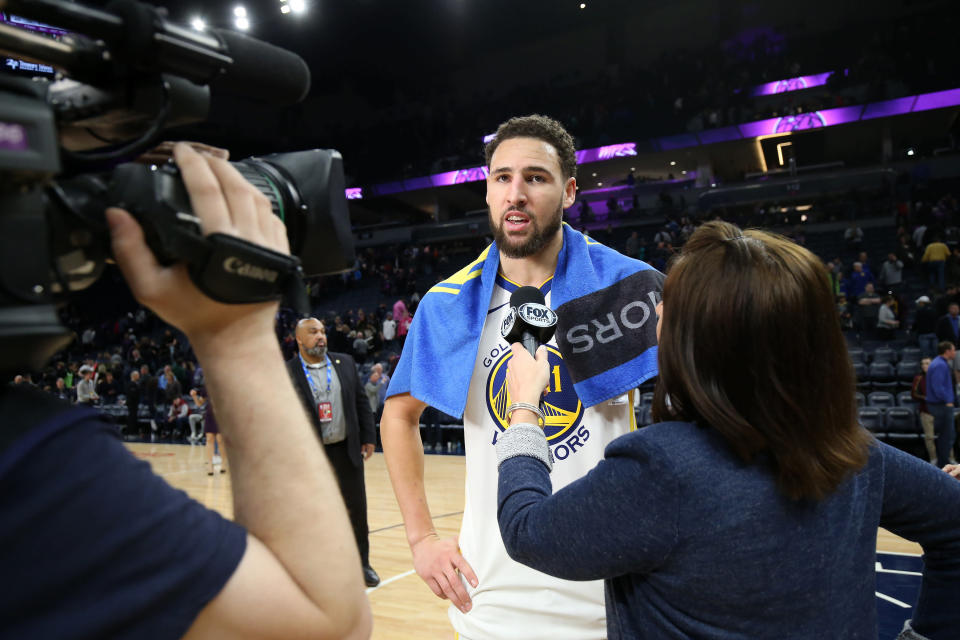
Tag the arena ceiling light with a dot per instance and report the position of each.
(198, 23)
(293, 6)
(241, 21)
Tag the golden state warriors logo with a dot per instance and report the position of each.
(561, 406)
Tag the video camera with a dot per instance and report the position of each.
(65, 151)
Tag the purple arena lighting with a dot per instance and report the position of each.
(13, 137)
(32, 25)
(669, 143)
(474, 174)
(792, 84)
(597, 154)
(801, 121)
(937, 100)
(888, 108)
(724, 134)
(811, 120)
(355, 193)
(769, 126)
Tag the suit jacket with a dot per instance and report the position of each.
(945, 331)
(356, 408)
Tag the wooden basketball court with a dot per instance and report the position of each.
(403, 607)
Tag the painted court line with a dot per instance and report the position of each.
(400, 524)
(893, 600)
(389, 580)
(880, 569)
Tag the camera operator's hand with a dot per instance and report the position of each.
(301, 567)
(225, 203)
(164, 151)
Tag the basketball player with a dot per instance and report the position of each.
(531, 181)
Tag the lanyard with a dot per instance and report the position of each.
(310, 380)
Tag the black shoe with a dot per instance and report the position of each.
(370, 577)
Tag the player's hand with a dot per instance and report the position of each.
(439, 562)
(225, 203)
(526, 377)
(953, 470)
(366, 450)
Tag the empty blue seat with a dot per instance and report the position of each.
(907, 369)
(884, 354)
(910, 354)
(872, 419)
(881, 399)
(883, 376)
(902, 423)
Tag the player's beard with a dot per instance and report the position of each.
(535, 242)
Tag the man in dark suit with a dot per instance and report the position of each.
(341, 415)
(133, 392)
(948, 327)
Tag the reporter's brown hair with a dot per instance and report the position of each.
(751, 347)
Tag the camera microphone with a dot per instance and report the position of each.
(145, 41)
(261, 71)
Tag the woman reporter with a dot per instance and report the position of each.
(752, 510)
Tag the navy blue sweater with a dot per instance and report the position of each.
(692, 543)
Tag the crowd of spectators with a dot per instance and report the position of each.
(923, 257)
(133, 360)
(143, 375)
(399, 270)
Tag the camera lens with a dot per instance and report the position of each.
(306, 191)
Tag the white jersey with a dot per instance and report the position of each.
(511, 600)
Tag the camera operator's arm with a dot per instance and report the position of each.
(300, 575)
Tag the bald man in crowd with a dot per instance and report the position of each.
(330, 389)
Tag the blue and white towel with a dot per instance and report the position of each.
(606, 331)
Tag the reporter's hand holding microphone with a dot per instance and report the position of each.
(528, 327)
(526, 379)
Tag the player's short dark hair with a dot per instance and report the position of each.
(944, 346)
(542, 128)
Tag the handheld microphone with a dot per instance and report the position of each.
(530, 321)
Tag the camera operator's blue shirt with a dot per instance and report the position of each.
(94, 545)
